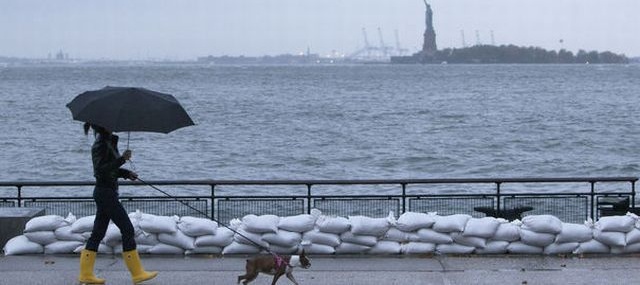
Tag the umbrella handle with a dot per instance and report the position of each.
(130, 161)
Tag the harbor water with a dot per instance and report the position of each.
(338, 122)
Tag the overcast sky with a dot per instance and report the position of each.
(186, 29)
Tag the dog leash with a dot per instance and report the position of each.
(277, 257)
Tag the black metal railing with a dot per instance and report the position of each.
(588, 197)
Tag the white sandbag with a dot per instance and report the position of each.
(385, 247)
(616, 224)
(507, 232)
(22, 245)
(250, 238)
(630, 248)
(592, 246)
(204, 250)
(283, 238)
(102, 249)
(261, 224)
(113, 236)
(518, 247)
(454, 249)
(412, 221)
(235, 224)
(394, 234)
(574, 233)
(60, 247)
(334, 225)
(158, 224)
(535, 238)
(542, 224)
(350, 237)
(178, 239)
(284, 249)
(610, 238)
(147, 238)
(195, 227)
(494, 247)
(361, 225)
(45, 223)
(351, 248)
(70, 219)
(66, 234)
(317, 237)
(299, 223)
(162, 248)
(41, 237)
(431, 236)
(240, 248)
(633, 236)
(483, 227)
(561, 248)
(476, 242)
(313, 248)
(451, 223)
(84, 224)
(222, 238)
(417, 248)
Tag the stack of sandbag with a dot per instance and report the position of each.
(406, 231)
(45, 234)
(618, 233)
(352, 235)
(282, 235)
(153, 234)
(411, 233)
(536, 233)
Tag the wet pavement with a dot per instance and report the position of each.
(328, 270)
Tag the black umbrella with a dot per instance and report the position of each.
(130, 109)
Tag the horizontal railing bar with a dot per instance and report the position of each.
(333, 196)
(335, 182)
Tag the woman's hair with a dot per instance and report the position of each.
(96, 129)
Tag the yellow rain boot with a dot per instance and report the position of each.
(132, 259)
(87, 260)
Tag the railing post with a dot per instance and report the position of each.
(213, 201)
(633, 194)
(19, 195)
(308, 198)
(404, 198)
(593, 197)
(498, 210)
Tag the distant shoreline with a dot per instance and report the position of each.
(511, 54)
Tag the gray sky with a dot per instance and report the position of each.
(186, 29)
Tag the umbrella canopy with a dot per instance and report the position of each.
(130, 109)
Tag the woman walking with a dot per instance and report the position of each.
(106, 169)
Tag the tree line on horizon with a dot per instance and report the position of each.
(517, 54)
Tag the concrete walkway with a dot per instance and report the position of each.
(502, 270)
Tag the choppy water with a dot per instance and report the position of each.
(339, 122)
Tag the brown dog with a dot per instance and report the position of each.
(274, 265)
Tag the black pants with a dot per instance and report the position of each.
(109, 208)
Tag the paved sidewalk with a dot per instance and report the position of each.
(446, 270)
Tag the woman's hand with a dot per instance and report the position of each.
(127, 154)
(133, 176)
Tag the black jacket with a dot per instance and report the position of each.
(107, 161)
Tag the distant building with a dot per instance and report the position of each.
(307, 58)
(60, 55)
